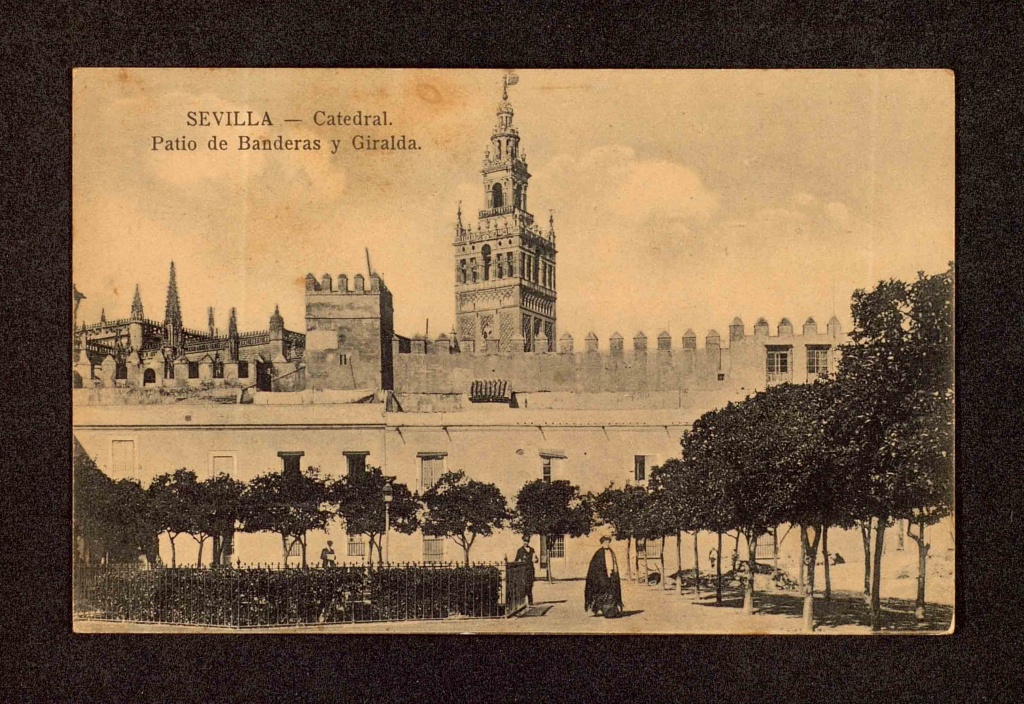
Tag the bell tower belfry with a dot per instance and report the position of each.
(505, 266)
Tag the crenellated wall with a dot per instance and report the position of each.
(434, 367)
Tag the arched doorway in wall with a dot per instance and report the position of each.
(148, 377)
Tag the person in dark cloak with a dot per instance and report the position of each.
(603, 592)
(526, 554)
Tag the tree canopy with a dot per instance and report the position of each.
(358, 497)
(463, 509)
(289, 503)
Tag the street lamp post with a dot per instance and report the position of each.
(389, 495)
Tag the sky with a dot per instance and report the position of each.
(681, 198)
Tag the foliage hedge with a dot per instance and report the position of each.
(270, 597)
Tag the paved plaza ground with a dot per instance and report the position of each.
(558, 609)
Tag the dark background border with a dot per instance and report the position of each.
(44, 661)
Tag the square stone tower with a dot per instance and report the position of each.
(348, 333)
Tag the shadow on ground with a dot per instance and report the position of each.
(844, 609)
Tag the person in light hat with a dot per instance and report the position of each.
(603, 591)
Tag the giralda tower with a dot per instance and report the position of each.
(505, 266)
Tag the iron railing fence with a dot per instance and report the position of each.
(274, 595)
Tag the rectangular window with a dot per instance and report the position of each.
(433, 549)
(356, 546)
(296, 549)
(218, 370)
(122, 459)
(243, 370)
(431, 469)
(777, 364)
(550, 459)
(555, 547)
(640, 468)
(817, 361)
(343, 359)
(222, 463)
(193, 370)
(356, 461)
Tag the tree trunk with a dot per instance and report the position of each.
(922, 567)
(876, 576)
(174, 557)
(696, 565)
(465, 549)
(302, 542)
(803, 564)
(718, 569)
(824, 553)
(748, 593)
(810, 550)
(663, 580)
(199, 559)
(736, 551)
(629, 559)
(214, 550)
(284, 548)
(547, 552)
(865, 534)
(679, 560)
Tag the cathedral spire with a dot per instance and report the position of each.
(172, 314)
(233, 324)
(137, 305)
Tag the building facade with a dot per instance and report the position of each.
(506, 399)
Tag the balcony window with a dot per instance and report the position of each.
(817, 362)
(779, 368)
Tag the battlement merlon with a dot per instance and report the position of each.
(359, 284)
(785, 335)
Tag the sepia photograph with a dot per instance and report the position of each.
(513, 351)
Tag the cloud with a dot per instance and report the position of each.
(615, 183)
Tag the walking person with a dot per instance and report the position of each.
(527, 555)
(603, 591)
(327, 558)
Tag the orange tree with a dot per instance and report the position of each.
(463, 509)
(894, 421)
(290, 503)
(359, 499)
(173, 497)
(626, 511)
(552, 508)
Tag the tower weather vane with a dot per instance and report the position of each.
(510, 79)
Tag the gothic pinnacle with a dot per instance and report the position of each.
(137, 305)
(172, 313)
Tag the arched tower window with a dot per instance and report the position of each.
(501, 266)
(485, 253)
(497, 198)
(462, 271)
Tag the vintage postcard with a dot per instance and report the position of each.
(513, 351)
